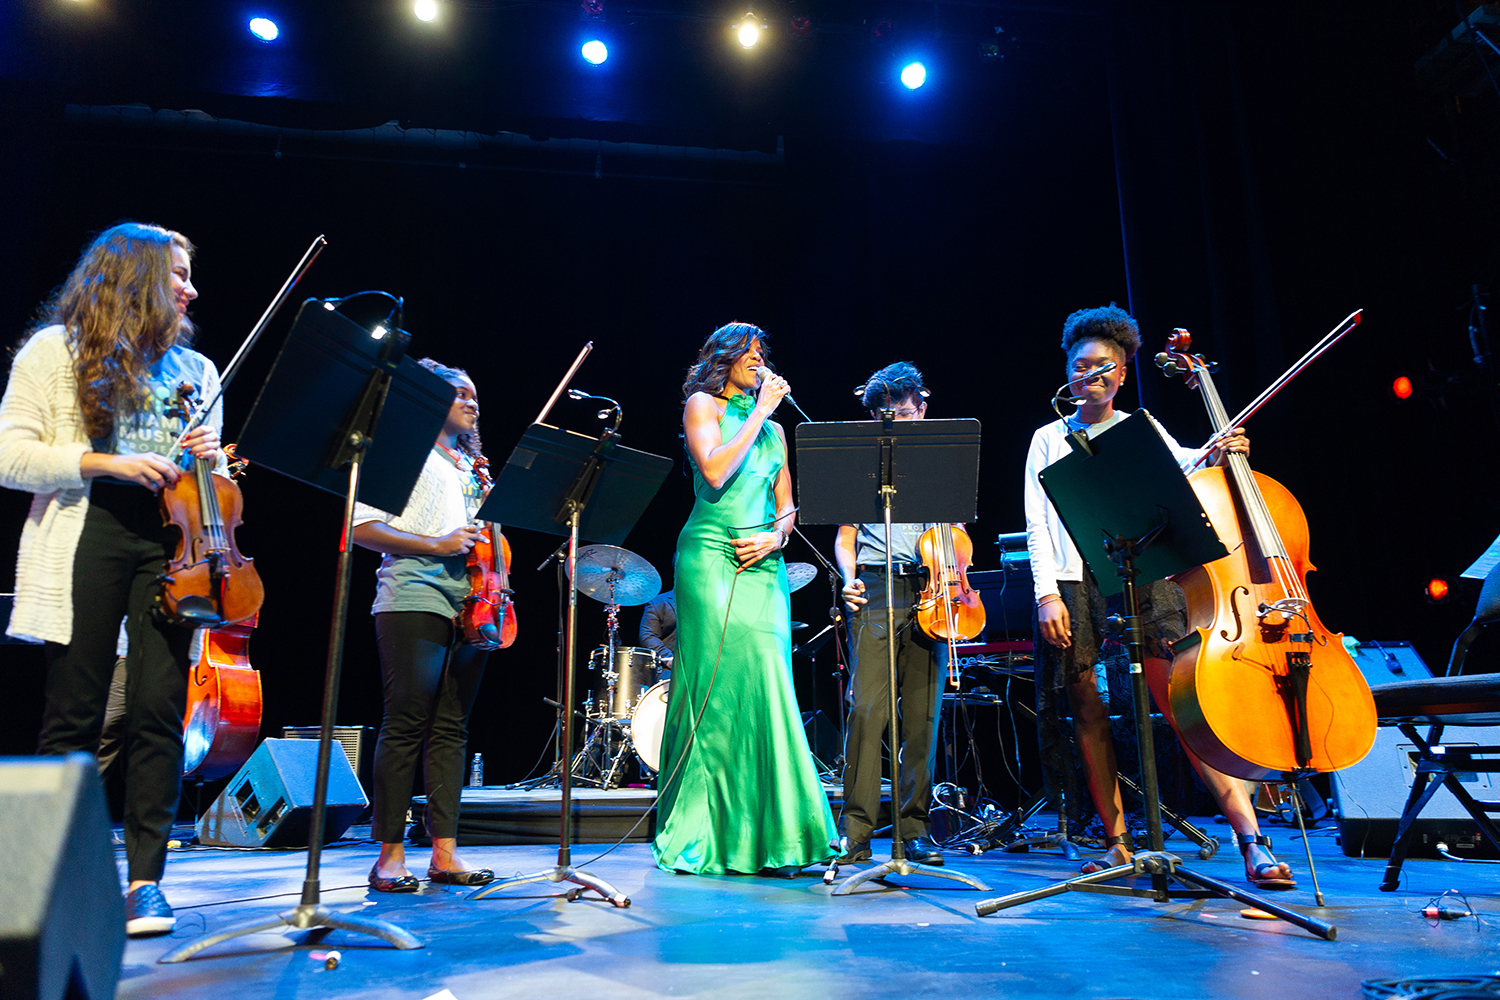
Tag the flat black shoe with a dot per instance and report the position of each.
(401, 883)
(924, 852)
(853, 852)
(470, 876)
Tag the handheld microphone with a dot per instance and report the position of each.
(765, 373)
(1445, 910)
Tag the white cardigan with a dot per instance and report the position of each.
(42, 444)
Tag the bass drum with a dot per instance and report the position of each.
(647, 722)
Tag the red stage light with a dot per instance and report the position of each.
(1437, 590)
(801, 26)
(1402, 387)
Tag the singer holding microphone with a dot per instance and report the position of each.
(1071, 653)
(737, 790)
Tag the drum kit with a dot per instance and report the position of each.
(625, 711)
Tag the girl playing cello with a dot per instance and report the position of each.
(1070, 613)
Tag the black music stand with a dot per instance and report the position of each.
(560, 482)
(1125, 488)
(319, 411)
(848, 474)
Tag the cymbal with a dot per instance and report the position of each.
(609, 573)
(798, 626)
(800, 574)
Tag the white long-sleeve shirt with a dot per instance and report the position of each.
(1054, 557)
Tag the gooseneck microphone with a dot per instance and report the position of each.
(1064, 393)
(765, 373)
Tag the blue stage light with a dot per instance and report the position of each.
(264, 28)
(595, 52)
(913, 75)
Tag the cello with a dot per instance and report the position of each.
(488, 618)
(1259, 687)
(949, 610)
(221, 726)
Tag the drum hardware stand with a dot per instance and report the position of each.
(549, 480)
(930, 467)
(1136, 469)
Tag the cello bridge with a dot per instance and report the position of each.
(1292, 607)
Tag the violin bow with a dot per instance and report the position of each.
(313, 250)
(1333, 336)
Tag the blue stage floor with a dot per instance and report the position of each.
(748, 936)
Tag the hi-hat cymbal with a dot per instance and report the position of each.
(800, 574)
(611, 574)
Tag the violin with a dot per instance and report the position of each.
(208, 582)
(949, 609)
(1259, 686)
(488, 618)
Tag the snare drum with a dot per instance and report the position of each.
(633, 672)
(647, 723)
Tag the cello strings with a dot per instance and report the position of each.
(1261, 522)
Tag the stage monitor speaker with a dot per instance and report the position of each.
(1370, 796)
(358, 743)
(1384, 662)
(62, 929)
(269, 802)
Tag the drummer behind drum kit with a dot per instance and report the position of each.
(625, 711)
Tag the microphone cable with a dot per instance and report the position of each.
(696, 718)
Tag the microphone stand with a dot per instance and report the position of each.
(840, 624)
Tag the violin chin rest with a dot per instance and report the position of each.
(198, 610)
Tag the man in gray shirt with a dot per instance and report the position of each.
(920, 662)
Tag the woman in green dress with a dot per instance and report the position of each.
(737, 787)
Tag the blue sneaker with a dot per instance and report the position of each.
(147, 913)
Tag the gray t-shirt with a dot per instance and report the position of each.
(446, 497)
(869, 543)
(152, 429)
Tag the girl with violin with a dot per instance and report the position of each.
(87, 415)
(430, 675)
(921, 662)
(1071, 614)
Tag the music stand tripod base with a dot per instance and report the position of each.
(899, 866)
(300, 918)
(560, 873)
(1162, 867)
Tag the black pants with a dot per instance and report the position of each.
(120, 555)
(920, 666)
(430, 683)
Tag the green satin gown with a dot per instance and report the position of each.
(746, 797)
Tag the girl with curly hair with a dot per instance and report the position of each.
(86, 425)
(1071, 646)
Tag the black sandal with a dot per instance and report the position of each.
(1090, 867)
(1258, 877)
